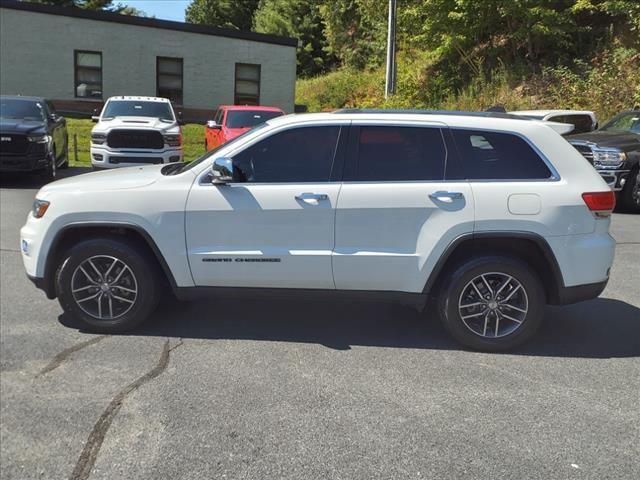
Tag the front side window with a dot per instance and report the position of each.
(169, 78)
(391, 153)
(88, 74)
(247, 86)
(298, 155)
(498, 156)
(132, 108)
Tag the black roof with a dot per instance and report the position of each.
(103, 16)
(434, 112)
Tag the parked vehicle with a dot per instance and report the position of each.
(33, 137)
(136, 131)
(582, 120)
(233, 120)
(492, 216)
(614, 150)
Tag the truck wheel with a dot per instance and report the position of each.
(50, 171)
(631, 193)
(492, 303)
(65, 163)
(108, 285)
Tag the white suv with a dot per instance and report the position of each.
(493, 216)
(135, 131)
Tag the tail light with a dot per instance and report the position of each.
(601, 203)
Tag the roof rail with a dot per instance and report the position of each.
(432, 112)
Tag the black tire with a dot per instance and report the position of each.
(145, 281)
(630, 196)
(50, 172)
(458, 281)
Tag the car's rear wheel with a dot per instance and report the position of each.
(492, 303)
(108, 285)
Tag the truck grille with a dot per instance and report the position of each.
(154, 160)
(585, 150)
(13, 144)
(135, 139)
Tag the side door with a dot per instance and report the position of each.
(273, 226)
(398, 210)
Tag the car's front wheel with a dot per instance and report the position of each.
(492, 303)
(108, 285)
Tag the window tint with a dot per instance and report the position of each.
(169, 78)
(297, 155)
(88, 74)
(249, 118)
(498, 156)
(400, 153)
(247, 88)
(133, 108)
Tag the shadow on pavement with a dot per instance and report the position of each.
(600, 328)
(35, 180)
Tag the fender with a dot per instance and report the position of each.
(49, 270)
(549, 256)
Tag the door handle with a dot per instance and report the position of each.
(446, 196)
(312, 197)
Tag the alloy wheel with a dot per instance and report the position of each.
(104, 287)
(493, 305)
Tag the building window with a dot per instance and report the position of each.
(247, 91)
(88, 74)
(169, 79)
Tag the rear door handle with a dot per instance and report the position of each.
(446, 196)
(308, 197)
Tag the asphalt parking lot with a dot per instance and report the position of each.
(274, 389)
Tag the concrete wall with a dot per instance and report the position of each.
(36, 58)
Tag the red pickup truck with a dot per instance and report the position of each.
(233, 120)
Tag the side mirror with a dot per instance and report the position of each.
(212, 124)
(222, 170)
(95, 118)
(179, 118)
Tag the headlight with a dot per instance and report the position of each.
(608, 158)
(173, 139)
(40, 139)
(39, 208)
(98, 138)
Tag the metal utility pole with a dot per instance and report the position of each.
(390, 84)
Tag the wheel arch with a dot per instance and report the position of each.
(73, 233)
(527, 246)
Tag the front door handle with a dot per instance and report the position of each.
(313, 198)
(448, 197)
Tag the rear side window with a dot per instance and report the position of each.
(298, 155)
(498, 156)
(399, 154)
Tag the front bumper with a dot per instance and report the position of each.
(23, 163)
(108, 158)
(614, 178)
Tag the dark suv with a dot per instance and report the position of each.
(614, 150)
(33, 137)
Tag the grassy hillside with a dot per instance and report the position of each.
(80, 129)
(607, 84)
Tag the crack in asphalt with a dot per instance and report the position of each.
(9, 250)
(63, 355)
(87, 458)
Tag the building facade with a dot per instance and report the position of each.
(79, 58)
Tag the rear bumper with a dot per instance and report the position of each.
(580, 293)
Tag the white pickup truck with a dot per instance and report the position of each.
(135, 131)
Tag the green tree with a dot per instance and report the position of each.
(106, 5)
(300, 19)
(236, 14)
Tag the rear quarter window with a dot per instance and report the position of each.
(498, 156)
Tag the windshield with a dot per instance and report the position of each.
(625, 122)
(132, 108)
(175, 168)
(249, 118)
(21, 109)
